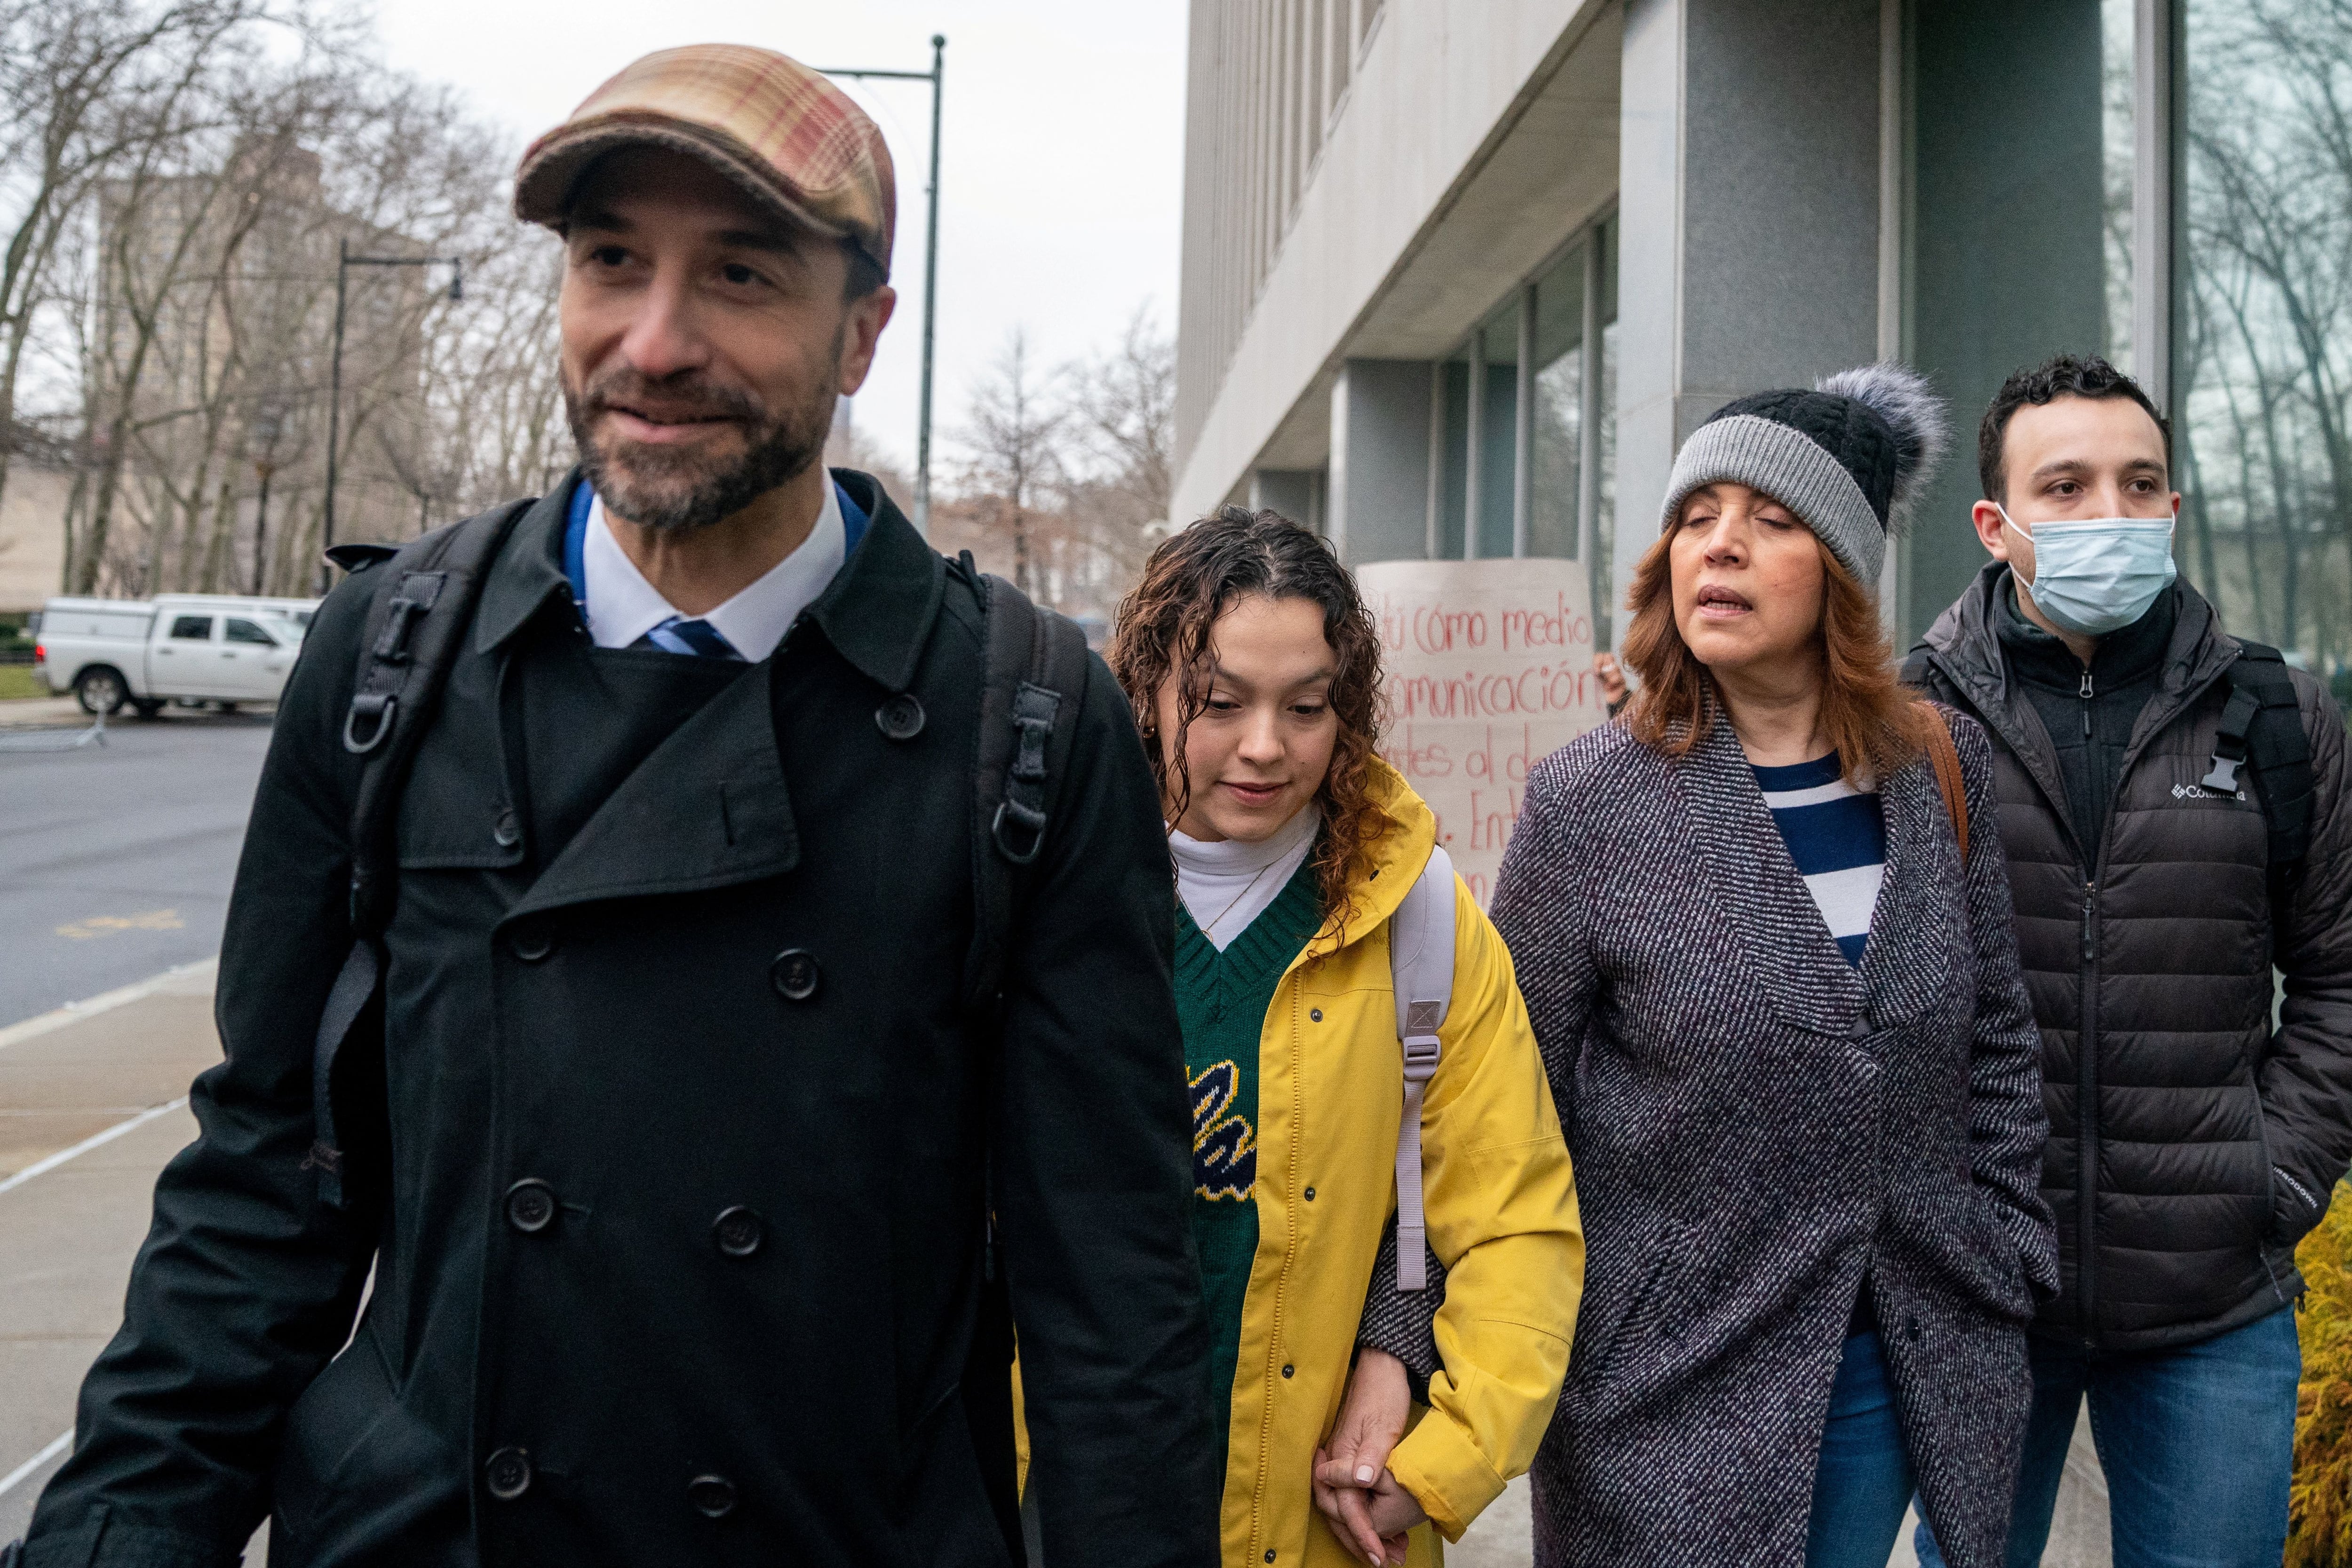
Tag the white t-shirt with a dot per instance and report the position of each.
(1228, 883)
(622, 606)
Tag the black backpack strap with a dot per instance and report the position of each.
(1035, 670)
(2262, 728)
(358, 557)
(415, 628)
(1033, 677)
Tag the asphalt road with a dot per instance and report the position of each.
(115, 860)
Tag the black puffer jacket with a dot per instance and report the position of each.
(2191, 1145)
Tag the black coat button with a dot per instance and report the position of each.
(738, 1231)
(509, 832)
(1286, 1371)
(1310, 1195)
(795, 973)
(531, 1206)
(900, 718)
(508, 1474)
(531, 941)
(713, 1496)
(1314, 1013)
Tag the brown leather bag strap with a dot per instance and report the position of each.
(1945, 757)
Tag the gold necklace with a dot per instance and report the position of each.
(1244, 892)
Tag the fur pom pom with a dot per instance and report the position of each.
(1902, 397)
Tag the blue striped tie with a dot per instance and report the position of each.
(700, 638)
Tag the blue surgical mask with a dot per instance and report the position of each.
(2096, 575)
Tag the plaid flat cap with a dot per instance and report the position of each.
(788, 137)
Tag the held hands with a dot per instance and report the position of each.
(1365, 1507)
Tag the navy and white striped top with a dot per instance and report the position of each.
(1837, 837)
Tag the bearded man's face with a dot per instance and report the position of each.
(705, 340)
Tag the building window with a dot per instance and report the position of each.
(1543, 485)
(1494, 411)
(2262, 340)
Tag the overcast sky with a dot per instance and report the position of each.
(1063, 149)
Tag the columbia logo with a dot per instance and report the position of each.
(2199, 792)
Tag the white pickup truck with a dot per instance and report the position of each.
(188, 648)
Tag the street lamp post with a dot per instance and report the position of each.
(265, 468)
(262, 442)
(936, 75)
(345, 262)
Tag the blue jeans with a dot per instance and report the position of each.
(1863, 1483)
(2198, 1445)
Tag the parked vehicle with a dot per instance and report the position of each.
(189, 648)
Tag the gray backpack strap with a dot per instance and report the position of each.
(415, 628)
(1420, 957)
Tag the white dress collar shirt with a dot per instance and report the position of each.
(622, 606)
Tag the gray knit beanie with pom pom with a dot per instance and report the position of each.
(1847, 457)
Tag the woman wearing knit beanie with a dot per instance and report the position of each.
(1762, 923)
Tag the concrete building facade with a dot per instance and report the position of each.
(32, 532)
(1459, 276)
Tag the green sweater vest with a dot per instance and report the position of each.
(1220, 1001)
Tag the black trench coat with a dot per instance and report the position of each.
(587, 993)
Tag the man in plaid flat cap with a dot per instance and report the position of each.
(698, 976)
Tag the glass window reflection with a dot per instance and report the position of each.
(2263, 323)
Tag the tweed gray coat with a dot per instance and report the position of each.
(1757, 1127)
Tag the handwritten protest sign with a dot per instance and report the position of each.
(1488, 670)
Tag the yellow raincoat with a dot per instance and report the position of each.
(1502, 1217)
(1501, 1213)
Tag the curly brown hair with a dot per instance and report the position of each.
(1874, 722)
(1163, 630)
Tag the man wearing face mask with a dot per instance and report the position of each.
(2173, 807)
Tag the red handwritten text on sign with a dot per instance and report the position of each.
(1488, 670)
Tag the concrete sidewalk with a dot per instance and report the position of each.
(119, 1065)
(1502, 1537)
(41, 713)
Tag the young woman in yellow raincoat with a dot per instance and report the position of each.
(1254, 673)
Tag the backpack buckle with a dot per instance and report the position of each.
(1034, 709)
(2231, 744)
(392, 645)
(1029, 820)
(1421, 1054)
(376, 705)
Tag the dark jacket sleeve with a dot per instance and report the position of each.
(1404, 1322)
(1540, 910)
(2306, 1082)
(246, 1284)
(2008, 1124)
(1093, 1140)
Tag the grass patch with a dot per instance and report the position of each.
(18, 680)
